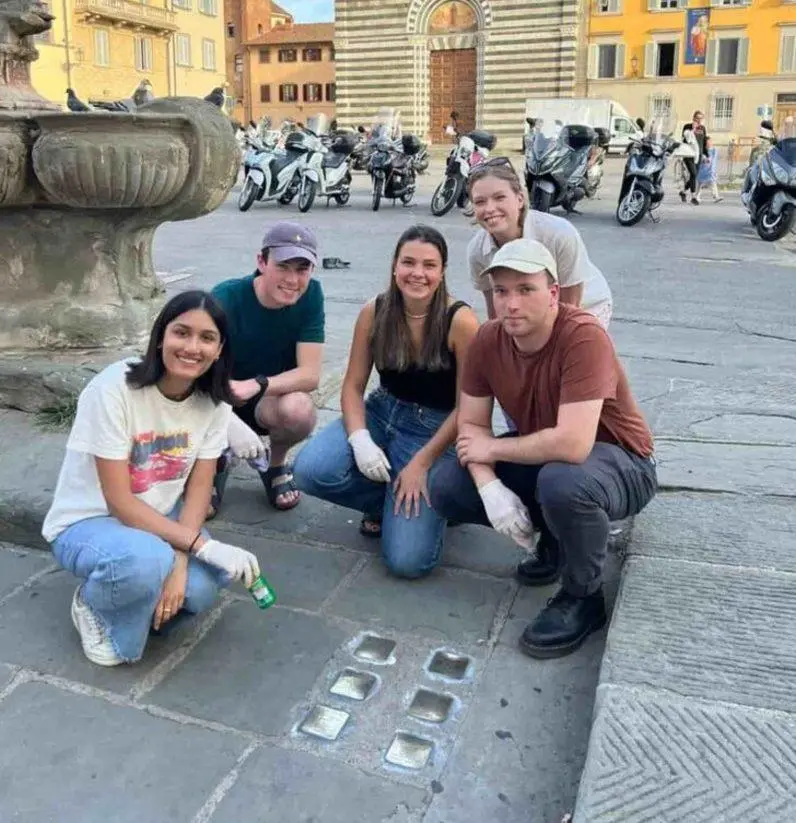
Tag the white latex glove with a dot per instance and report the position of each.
(244, 443)
(507, 513)
(237, 563)
(370, 459)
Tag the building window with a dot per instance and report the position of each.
(288, 93)
(208, 7)
(787, 58)
(143, 53)
(665, 56)
(660, 110)
(230, 29)
(313, 93)
(609, 6)
(101, 48)
(182, 49)
(722, 112)
(238, 64)
(265, 55)
(209, 55)
(727, 55)
(331, 92)
(666, 5)
(606, 60)
(724, 3)
(259, 29)
(185, 5)
(287, 55)
(312, 55)
(265, 94)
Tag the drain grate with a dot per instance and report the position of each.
(408, 751)
(375, 649)
(448, 665)
(324, 722)
(431, 706)
(353, 684)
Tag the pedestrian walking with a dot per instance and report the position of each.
(582, 453)
(707, 176)
(135, 483)
(693, 135)
(377, 459)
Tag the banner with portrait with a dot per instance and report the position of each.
(697, 24)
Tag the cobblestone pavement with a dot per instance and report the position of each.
(359, 698)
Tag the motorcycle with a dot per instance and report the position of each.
(642, 183)
(563, 167)
(470, 149)
(360, 156)
(392, 171)
(421, 160)
(769, 191)
(327, 173)
(272, 173)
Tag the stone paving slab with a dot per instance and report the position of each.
(17, 566)
(711, 632)
(723, 467)
(36, 632)
(301, 575)
(292, 786)
(524, 725)
(655, 757)
(251, 668)
(80, 759)
(453, 606)
(719, 528)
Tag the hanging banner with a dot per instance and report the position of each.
(697, 23)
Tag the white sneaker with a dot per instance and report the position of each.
(97, 645)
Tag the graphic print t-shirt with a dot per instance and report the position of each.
(160, 439)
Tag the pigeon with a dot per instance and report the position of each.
(143, 93)
(115, 105)
(217, 97)
(74, 103)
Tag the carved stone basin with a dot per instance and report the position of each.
(107, 160)
(13, 154)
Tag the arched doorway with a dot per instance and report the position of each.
(448, 40)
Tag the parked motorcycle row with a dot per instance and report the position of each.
(563, 167)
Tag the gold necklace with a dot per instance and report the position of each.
(416, 316)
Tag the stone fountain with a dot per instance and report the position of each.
(81, 195)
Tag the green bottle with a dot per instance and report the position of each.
(264, 596)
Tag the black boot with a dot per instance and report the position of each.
(543, 569)
(563, 624)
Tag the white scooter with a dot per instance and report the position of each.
(470, 150)
(272, 173)
(327, 172)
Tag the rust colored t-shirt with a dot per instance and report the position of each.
(577, 363)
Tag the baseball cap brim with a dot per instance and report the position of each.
(521, 266)
(282, 253)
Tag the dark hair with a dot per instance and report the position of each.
(215, 381)
(391, 341)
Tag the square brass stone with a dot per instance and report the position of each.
(324, 722)
(431, 706)
(375, 649)
(450, 666)
(409, 751)
(353, 684)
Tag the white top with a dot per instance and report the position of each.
(564, 242)
(159, 438)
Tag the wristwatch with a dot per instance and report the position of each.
(262, 380)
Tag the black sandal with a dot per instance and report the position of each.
(278, 480)
(370, 526)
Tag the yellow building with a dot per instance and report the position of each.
(733, 59)
(104, 48)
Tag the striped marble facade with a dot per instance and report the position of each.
(525, 48)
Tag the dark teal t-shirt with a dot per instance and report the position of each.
(264, 340)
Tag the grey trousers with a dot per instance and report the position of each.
(572, 504)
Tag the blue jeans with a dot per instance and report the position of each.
(325, 468)
(123, 571)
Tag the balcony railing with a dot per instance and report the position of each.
(129, 11)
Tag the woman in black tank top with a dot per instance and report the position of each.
(377, 458)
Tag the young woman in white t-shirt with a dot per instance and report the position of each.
(501, 209)
(135, 484)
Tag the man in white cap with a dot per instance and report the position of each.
(276, 319)
(581, 455)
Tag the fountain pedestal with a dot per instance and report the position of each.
(81, 195)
